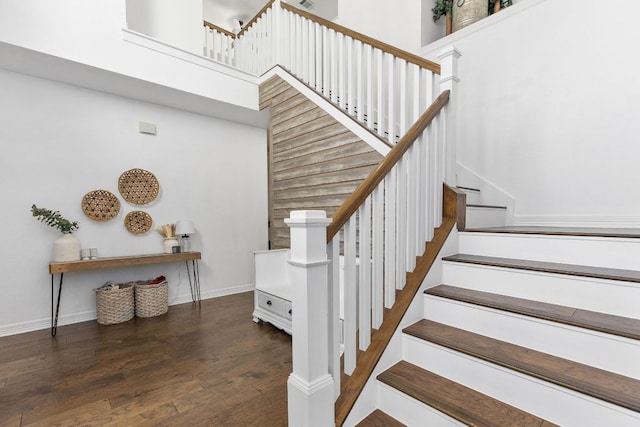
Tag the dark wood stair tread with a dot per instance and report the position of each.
(601, 322)
(631, 233)
(471, 205)
(379, 419)
(457, 401)
(614, 388)
(549, 267)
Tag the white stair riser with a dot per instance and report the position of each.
(410, 411)
(553, 403)
(593, 251)
(609, 352)
(485, 217)
(606, 296)
(473, 197)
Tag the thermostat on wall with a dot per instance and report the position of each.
(148, 128)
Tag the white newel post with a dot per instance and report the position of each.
(310, 386)
(449, 81)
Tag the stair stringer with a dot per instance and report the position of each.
(369, 399)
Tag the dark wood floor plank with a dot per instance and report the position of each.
(455, 400)
(601, 322)
(630, 233)
(379, 419)
(192, 366)
(601, 384)
(549, 267)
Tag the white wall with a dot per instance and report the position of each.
(548, 103)
(60, 142)
(91, 33)
(176, 23)
(384, 20)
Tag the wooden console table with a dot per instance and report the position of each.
(119, 262)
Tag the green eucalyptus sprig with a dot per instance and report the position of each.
(54, 219)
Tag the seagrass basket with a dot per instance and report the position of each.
(114, 305)
(151, 300)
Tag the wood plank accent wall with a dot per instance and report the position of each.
(314, 161)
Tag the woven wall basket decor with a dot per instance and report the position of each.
(138, 186)
(138, 222)
(100, 205)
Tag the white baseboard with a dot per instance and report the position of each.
(69, 319)
(602, 221)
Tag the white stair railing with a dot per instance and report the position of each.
(218, 43)
(382, 87)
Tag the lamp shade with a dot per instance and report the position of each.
(185, 227)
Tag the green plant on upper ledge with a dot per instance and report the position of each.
(441, 7)
(54, 219)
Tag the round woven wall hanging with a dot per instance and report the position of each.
(100, 205)
(138, 222)
(138, 186)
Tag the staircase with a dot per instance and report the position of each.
(530, 327)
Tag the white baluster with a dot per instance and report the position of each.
(391, 110)
(377, 267)
(335, 334)
(401, 227)
(342, 93)
(380, 91)
(427, 78)
(390, 239)
(319, 48)
(327, 56)
(350, 297)
(364, 279)
(411, 227)
(350, 75)
(369, 82)
(359, 104)
(304, 43)
(333, 36)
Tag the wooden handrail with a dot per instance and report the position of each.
(255, 18)
(363, 191)
(409, 57)
(219, 29)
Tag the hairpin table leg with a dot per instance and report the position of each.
(194, 284)
(54, 314)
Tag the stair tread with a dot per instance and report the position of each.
(549, 267)
(456, 400)
(471, 189)
(601, 322)
(614, 388)
(631, 233)
(379, 419)
(475, 205)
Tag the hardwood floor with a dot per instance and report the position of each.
(208, 366)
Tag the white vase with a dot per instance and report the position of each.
(66, 248)
(168, 243)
